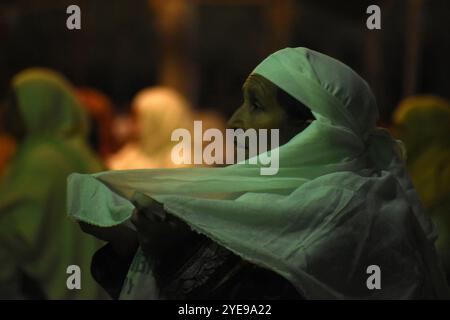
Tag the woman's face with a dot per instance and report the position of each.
(261, 110)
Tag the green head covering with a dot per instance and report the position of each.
(48, 105)
(333, 91)
(421, 122)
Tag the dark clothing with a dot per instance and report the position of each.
(208, 272)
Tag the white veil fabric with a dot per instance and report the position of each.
(340, 202)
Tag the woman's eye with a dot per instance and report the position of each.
(257, 106)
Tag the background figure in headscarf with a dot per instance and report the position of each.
(158, 112)
(101, 113)
(37, 239)
(423, 124)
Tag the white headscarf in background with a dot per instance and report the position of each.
(158, 111)
(340, 202)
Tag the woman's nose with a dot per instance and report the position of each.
(236, 121)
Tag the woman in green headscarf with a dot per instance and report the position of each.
(38, 242)
(423, 124)
(340, 206)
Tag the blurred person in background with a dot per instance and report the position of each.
(37, 239)
(101, 113)
(157, 112)
(423, 124)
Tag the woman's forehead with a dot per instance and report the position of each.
(256, 82)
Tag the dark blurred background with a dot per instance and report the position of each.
(206, 48)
